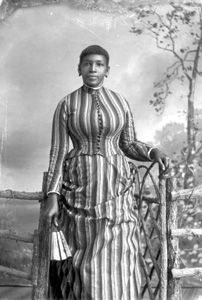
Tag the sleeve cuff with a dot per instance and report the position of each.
(53, 192)
(149, 152)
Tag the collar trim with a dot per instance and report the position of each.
(90, 89)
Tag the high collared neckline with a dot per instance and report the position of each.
(91, 90)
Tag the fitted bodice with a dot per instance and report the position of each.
(95, 120)
(99, 122)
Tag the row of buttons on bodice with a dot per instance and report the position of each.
(100, 120)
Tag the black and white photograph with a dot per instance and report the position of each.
(100, 150)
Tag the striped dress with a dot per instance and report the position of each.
(100, 220)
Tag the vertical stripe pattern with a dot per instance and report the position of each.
(80, 116)
(103, 230)
(99, 216)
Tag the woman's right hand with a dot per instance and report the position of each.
(51, 208)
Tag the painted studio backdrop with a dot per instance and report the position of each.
(155, 60)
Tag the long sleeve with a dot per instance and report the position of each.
(129, 144)
(59, 148)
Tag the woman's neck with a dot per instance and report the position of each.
(93, 88)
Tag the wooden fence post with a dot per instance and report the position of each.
(35, 261)
(163, 240)
(41, 291)
(174, 287)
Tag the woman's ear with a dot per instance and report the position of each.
(107, 72)
(79, 70)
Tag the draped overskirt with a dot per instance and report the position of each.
(100, 222)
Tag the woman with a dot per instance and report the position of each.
(100, 220)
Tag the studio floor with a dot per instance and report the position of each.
(24, 293)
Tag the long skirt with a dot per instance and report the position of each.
(101, 226)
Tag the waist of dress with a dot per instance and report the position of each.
(106, 152)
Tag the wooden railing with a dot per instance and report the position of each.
(13, 234)
(154, 261)
(174, 233)
(165, 260)
(38, 277)
(160, 264)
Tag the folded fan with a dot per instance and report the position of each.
(59, 247)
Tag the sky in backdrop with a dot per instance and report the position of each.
(39, 50)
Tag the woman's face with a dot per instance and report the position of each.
(93, 69)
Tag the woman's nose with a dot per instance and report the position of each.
(93, 68)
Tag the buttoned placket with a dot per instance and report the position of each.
(95, 96)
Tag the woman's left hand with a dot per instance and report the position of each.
(162, 159)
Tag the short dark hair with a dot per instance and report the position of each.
(94, 49)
